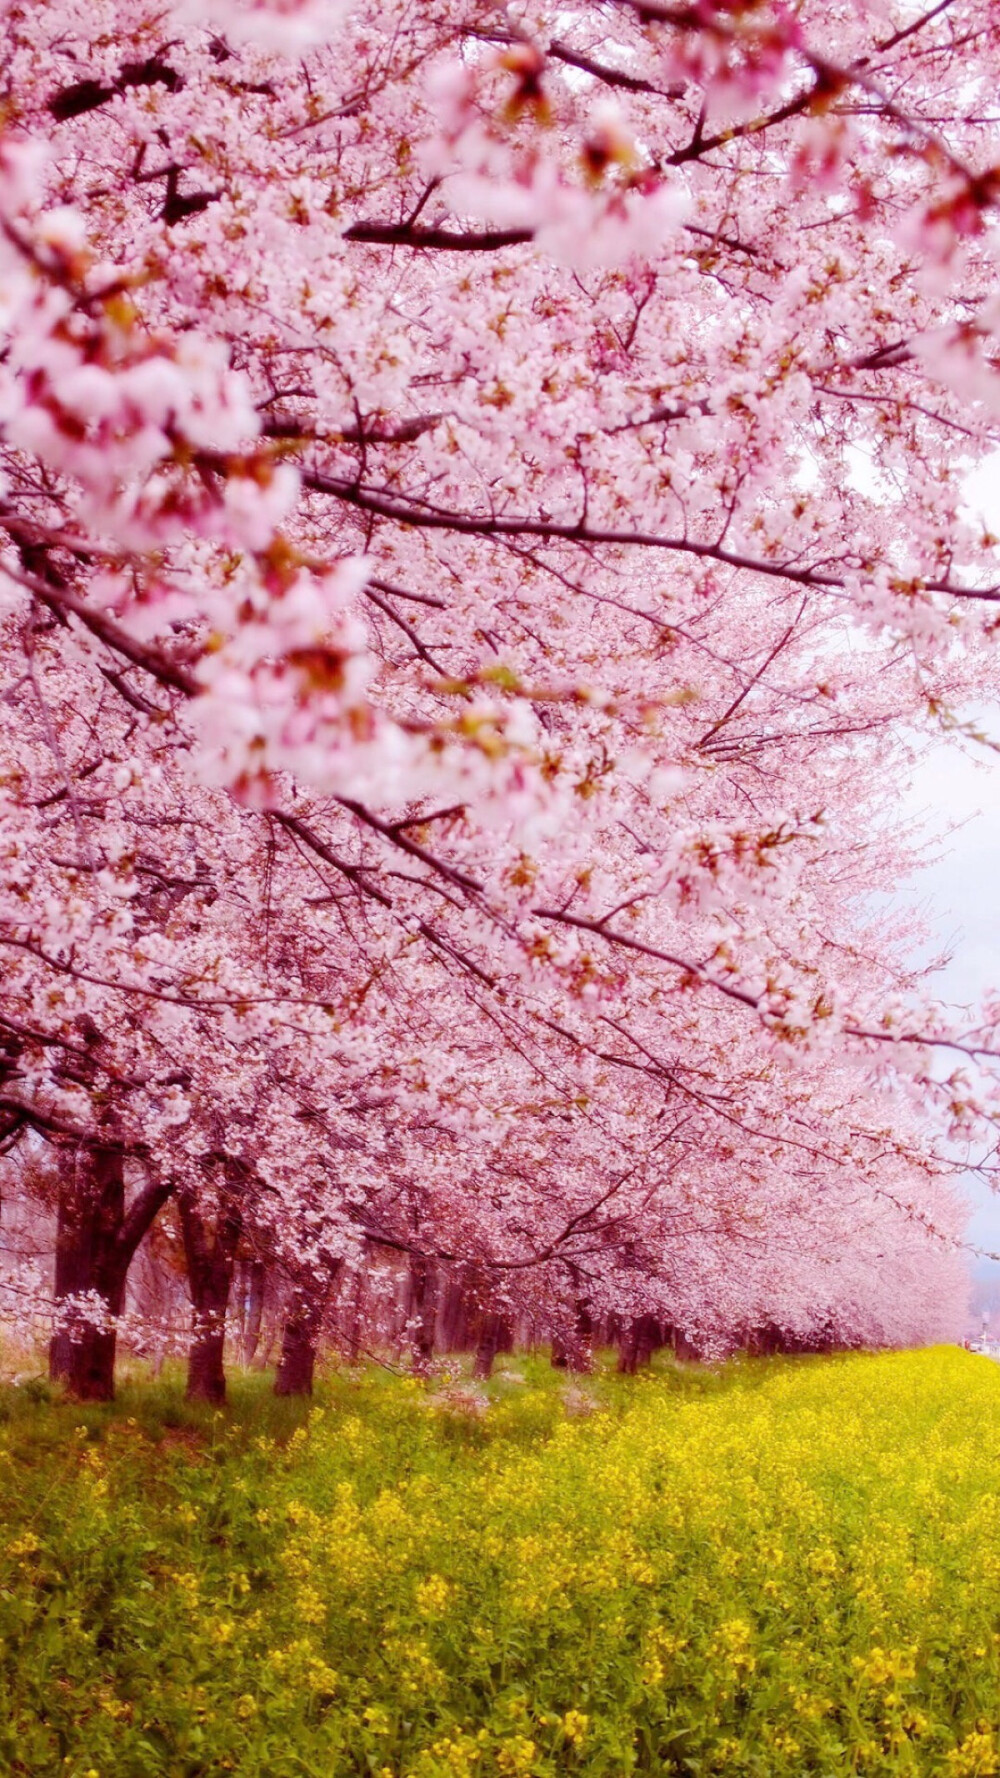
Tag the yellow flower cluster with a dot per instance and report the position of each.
(774, 1569)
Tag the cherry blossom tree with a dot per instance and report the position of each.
(483, 538)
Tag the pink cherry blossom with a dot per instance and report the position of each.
(484, 543)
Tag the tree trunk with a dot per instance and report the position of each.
(82, 1355)
(453, 1317)
(642, 1336)
(297, 1365)
(421, 1313)
(493, 1338)
(628, 1350)
(572, 1347)
(300, 1340)
(96, 1240)
(211, 1261)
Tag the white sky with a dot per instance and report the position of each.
(961, 891)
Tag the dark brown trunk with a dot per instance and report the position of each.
(96, 1239)
(453, 1319)
(572, 1341)
(628, 1352)
(494, 1337)
(210, 1255)
(300, 1340)
(206, 1372)
(641, 1338)
(82, 1357)
(90, 1214)
(297, 1365)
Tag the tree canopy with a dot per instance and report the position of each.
(483, 543)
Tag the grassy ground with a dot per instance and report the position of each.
(782, 1568)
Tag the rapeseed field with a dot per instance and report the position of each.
(776, 1568)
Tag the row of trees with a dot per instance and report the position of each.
(413, 1310)
(483, 543)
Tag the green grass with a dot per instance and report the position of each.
(779, 1568)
